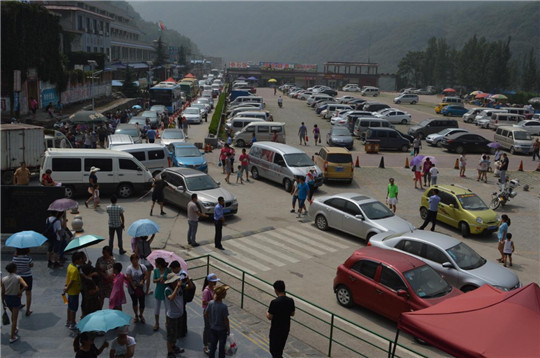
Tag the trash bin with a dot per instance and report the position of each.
(372, 146)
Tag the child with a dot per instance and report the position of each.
(462, 165)
(508, 249)
(96, 196)
(239, 175)
(118, 296)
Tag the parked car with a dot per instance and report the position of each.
(131, 130)
(171, 135)
(532, 126)
(141, 121)
(186, 181)
(406, 98)
(187, 155)
(471, 114)
(202, 107)
(454, 110)
(374, 106)
(193, 115)
(342, 99)
(389, 283)
(460, 265)
(432, 125)
(461, 208)
(351, 88)
(152, 116)
(336, 163)
(388, 139)
(355, 214)
(393, 115)
(466, 143)
(340, 136)
(434, 139)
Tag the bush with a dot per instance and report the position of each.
(220, 107)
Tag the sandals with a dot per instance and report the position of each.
(156, 327)
(142, 320)
(28, 313)
(136, 320)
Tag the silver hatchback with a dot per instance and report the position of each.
(460, 265)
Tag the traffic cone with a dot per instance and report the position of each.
(538, 168)
(381, 164)
(407, 162)
(520, 166)
(357, 165)
(456, 166)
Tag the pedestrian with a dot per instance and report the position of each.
(303, 191)
(159, 277)
(223, 155)
(425, 171)
(188, 295)
(93, 139)
(274, 136)
(253, 138)
(47, 180)
(87, 139)
(174, 308)
(123, 346)
(116, 224)
(159, 186)
(294, 193)
(136, 275)
(84, 346)
(462, 165)
(209, 285)
(434, 172)
(24, 265)
(73, 288)
(33, 106)
(13, 286)
(508, 249)
(232, 154)
(392, 194)
(504, 168)
(97, 200)
(536, 149)
(219, 222)
(501, 235)
(497, 155)
(89, 290)
(244, 161)
(275, 90)
(151, 135)
(104, 267)
(118, 296)
(279, 313)
(302, 132)
(417, 169)
(431, 216)
(311, 181)
(193, 214)
(228, 168)
(185, 126)
(92, 182)
(21, 175)
(483, 166)
(143, 250)
(53, 233)
(218, 318)
(316, 134)
(417, 144)
(50, 110)
(239, 175)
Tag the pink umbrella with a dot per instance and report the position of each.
(168, 256)
(482, 95)
(449, 90)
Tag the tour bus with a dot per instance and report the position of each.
(193, 88)
(168, 95)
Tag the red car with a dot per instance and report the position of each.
(389, 282)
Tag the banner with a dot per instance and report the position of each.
(283, 66)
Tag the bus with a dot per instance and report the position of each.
(190, 87)
(167, 94)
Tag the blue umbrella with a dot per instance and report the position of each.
(143, 227)
(83, 241)
(25, 239)
(252, 78)
(103, 321)
(417, 160)
(136, 107)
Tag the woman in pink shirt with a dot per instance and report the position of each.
(118, 296)
(208, 295)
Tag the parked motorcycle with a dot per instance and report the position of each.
(506, 191)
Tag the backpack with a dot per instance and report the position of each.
(190, 294)
(49, 232)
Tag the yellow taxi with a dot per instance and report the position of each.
(440, 106)
(461, 208)
(336, 163)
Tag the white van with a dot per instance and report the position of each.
(119, 172)
(527, 112)
(281, 163)
(264, 131)
(332, 108)
(246, 99)
(115, 140)
(504, 119)
(237, 123)
(264, 115)
(155, 157)
(370, 91)
(483, 118)
(362, 124)
(514, 139)
(452, 100)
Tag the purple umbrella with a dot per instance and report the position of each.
(63, 205)
(494, 145)
(417, 160)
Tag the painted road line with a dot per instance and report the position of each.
(266, 239)
(288, 240)
(315, 235)
(308, 241)
(255, 253)
(231, 259)
(258, 245)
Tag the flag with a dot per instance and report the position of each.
(161, 26)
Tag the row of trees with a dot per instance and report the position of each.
(480, 64)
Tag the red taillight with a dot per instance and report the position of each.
(369, 243)
(326, 166)
(449, 140)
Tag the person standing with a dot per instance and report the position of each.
(501, 235)
(116, 224)
(417, 144)
(22, 175)
(218, 317)
(244, 161)
(392, 194)
(418, 176)
(219, 222)
(504, 168)
(228, 168)
(497, 155)
(118, 296)
(294, 193)
(73, 288)
(425, 171)
(159, 186)
(13, 286)
(223, 155)
(92, 182)
(232, 154)
(193, 215)
(316, 134)
(136, 275)
(303, 191)
(33, 106)
(151, 135)
(302, 132)
(279, 313)
(207, 296)
(104, 268)
(174, 308)
(508, 249)
(159, 277)
(54, 234)
(24, 269)
(462, 165)
(432, 210)
(434, 172)
(536, 149)
(274, 136)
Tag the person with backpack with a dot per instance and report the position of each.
(53, 233)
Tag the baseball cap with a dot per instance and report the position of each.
(212, 278)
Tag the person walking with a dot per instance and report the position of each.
(92, 182)
(432, 210)
(508, 249)
(13, 286)
(22, 175)
(244, 161)
(232, 154)
(392, 194)
(223, 155)
(209, 285)
(417, 144)
(24, 265)
(193, 214)
(294, 193)
(73, 288)
(504, 167)
(536, 149)
(159, 277)
(159, 186)
(279, 313)
(174, 308)
(228, 168)
(116, 224)
(151, 135)
(462, 165)
(53, 233)
(218, 317)
(118, 296)
(434, 172)
(418, 176)
(501, 235)
(136, 275)
(316, 134)
(425, 171)
(302, 132)
(303, 191)
(219, 222)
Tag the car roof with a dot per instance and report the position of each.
(512, 128)
(183, 144)
(186, 172)
(400, 261)
(441, 240)
(457, 135)
(454, 189)
(359, 198)
(284, 148)
(336, 150)
(141, 146)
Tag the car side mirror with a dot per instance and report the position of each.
(402, 293)
(359, 216)
(180, 188)
(316, 153)
(447, 265)
(218, 183)
(202, 153)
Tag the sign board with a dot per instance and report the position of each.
(280, 66)
(238, 65)
(49, 95)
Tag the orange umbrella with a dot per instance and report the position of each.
(189, 75)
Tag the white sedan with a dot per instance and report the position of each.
(434, 139)
(532, 126)
(394, 116)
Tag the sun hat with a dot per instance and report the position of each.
(220, 291)
(94, 169)
(172, 277)
(212, 278)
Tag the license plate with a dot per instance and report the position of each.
(226, 211)
(492, 227)
(339, 169)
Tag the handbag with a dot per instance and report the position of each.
(5, 318)
(139, 292)
(230, 345)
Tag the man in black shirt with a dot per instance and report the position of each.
(157, 195)
(280, 312)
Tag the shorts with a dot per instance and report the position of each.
(73, 303)
(29, 281)
(173, 329)
(244, 168)
(392, 201)
(58, 246)
(50, 245)
(417, 175)
(294, 198)
(301, 203)
(12, 301)
(158, 196)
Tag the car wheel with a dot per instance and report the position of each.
(321, 222)
(413, 102)
(287, 184)
(369, 236)
(344, 296)
(403, 121)
(468, 288)
(70, 191)
(459, 149)
(464, 228)
(405, 148)
(398, 102)
(439, 144)
(240, 143)
(125, 190)
(423, 213)
(254, 173)
(512, 150)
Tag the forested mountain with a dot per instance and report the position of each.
(315, 32)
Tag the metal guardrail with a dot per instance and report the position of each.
(340, 330)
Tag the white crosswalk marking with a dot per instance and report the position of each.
(307, 240)
(271, 240)
(288, 240)
(277, 253)
(243, 260)
(257, 253)
(315, 234)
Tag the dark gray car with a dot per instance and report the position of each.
(340, 137)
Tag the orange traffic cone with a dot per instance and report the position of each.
(538, 168)
(520, 166)
(206, 148)
(456, 166)
(357, 162)
(407, 162)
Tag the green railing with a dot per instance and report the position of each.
(250, 291)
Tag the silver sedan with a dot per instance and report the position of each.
(355, 214)
(340, 136)
(460, 265)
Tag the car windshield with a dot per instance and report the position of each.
(298, 160)
(149, 114)
(471, 202)
(375, 210)
(426, 282)
(187, 152)
(445, 131)
(339, 158)
(129, 131)
(465, 257)
(200, 182)
(424, 122)
(522, 135)
(172, 135)
(340, 131)
(191, 111)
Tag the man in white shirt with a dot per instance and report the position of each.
(193, 214)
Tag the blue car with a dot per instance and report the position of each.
(187, 155)
(454, 111)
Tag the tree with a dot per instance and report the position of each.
(161, 56)
(128, 87)
(410, 68)
(529, 73)
(182, 58)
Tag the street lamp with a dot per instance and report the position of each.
(93, 65)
